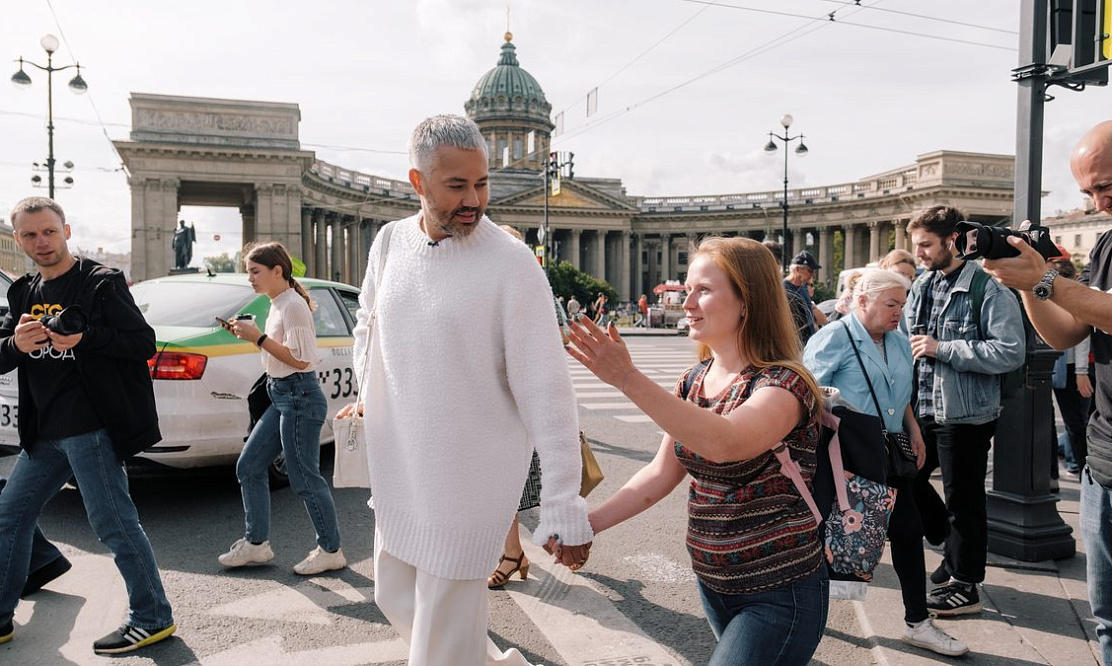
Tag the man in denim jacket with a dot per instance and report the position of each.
(957, 399)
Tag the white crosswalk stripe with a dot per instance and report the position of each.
(662, 365)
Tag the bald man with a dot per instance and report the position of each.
(1064, 313)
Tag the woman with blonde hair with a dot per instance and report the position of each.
(753, 542)
(901, 261)
(292, 423)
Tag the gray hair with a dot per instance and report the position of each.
(443, 130)
(872, 281)
(36, 204)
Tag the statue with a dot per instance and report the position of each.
(184, 238)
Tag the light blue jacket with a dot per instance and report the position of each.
(830, 359)
(968, 368)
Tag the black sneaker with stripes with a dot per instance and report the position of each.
(953, 598)
(128, 638)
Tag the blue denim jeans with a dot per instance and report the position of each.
(1096, 532)
(780, 627)
(43, 552)
(91, 459)
(291, 425)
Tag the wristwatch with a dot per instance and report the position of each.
(1045, 288)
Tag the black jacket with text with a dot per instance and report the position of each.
(111, 359)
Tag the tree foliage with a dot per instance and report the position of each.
(568, 281)
(221, 264)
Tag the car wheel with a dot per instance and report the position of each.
(279, 477)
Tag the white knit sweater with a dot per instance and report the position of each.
(467, 376)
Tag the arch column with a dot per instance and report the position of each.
(573, 247)
(666, 258)
(336, 265)
(155, 202)
(901, 234)
(638, 265)
(624, 266)
(600, 254)
(353, 250)
(826, 253)
(320, 264)
(307, 241)
(850, 246)
(874, 240)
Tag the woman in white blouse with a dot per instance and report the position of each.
(292, 423)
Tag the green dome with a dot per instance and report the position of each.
(508, 92)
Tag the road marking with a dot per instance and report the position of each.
(600, 394)
(660, 569)
(306, 602)
(636, 418)
(268, 650)
(582, 624)
(608, 405)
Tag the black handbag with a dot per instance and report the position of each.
(897, 445)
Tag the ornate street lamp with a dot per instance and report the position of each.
(77, 85)
(800, 150)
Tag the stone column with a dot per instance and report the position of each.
(336, 265)
(573, 247)
(320, 261)
(826, 253)
(353, 244)
(638, 266)
(850, 246)
(623, 267)
(154, 216)
(600, 254)
(250, 225)
(875, 229)
(666, 260)
(901, 234)
(264, 218)
(307, 241)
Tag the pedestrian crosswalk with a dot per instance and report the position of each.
(663, 364)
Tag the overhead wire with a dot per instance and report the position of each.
(886, 10)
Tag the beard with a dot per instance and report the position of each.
(942, 263)
(446, 221)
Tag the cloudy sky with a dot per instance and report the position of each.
(688, 90)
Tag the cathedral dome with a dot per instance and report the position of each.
(508, 92)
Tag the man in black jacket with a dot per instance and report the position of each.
(86, 404)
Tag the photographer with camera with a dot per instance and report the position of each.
(959, 356)
(1064, 313)
(86, 403)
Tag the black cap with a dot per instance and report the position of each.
(806, 259)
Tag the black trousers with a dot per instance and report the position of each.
(905, 536)
(1075, 415)
(961, 452)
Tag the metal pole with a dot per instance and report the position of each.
(784, 250)
(547, 168)
(50, 122)
(1023, 521)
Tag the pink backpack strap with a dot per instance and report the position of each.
(791, 469)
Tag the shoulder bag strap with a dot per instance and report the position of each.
(374, 310)
(876, 403)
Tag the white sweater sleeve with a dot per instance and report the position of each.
(539, 380)
(362, 330)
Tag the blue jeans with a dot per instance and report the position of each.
(291, 425)
(1096, 532)
(91, 459)
(43, 552)
(780, 627)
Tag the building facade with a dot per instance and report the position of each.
(199, 151)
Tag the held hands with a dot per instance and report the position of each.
(601, 352)
(1022, 272)
(572, 557)
(30, 335)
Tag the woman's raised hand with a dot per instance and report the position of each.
(601, 351)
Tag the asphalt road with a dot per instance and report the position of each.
(634, 603)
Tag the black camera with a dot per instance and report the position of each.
(975, 241)
(70, 321)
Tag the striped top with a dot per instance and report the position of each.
(748, 529)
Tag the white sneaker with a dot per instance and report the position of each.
(245, 553)
(319, 561)
(927, 636)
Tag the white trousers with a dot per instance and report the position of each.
(444, 621)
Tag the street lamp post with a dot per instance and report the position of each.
(77, 85)
(552, 167)
(800, 150)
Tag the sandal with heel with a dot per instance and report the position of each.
(499, 578)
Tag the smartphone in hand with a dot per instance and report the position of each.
(224, 323)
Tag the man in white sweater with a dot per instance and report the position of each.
(465, 374)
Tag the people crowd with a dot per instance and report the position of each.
(463, 414)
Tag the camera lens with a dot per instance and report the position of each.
(67, 322)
